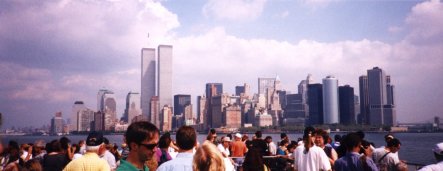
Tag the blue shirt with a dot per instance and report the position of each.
(183, 162)
(351, 161)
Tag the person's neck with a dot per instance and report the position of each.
(133, 159)
(185, 151)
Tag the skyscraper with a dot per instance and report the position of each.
(165, 75)
(155, 111)
(180, 101)
(264, 84)
(315, 104)
(347, 105)
(57, 124)
(201, 111)
(239, 90)
(147, 79)
(132, 106)
(108, 107)
(330, 100)
(381, 98)
(78, 105)
(212, 89)
(377, 95)
(364, 100)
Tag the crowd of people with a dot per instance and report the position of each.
(145, 149)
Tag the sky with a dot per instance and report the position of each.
(53, 53)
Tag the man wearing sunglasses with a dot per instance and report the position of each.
(186, 138)
(142, 140)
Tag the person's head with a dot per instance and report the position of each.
(142, 139)
(39, 145)
(212, 131)
(388, 137)
(253, 160)
(55, 146)
(337, 138)
(226, 141)
(352, 142)
(361, 134)
(438, 151)
(65, 143)
(291, 147)
(94, 142)
(164, 141)
(245, 137)
(33, 165)
(284, 143)
(321, 137)
(394, 145)
(283, 136)
(76, 148)
(81, 143)
(229, 135)
(207, 158)
(309, 137)
(238, 137)
(258, 134)
(365, 148)
(268, 139)
(211, 137)
(186, 138)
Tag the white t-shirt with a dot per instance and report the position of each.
(223, 149)
(391, 159)
(433, 167)
(109, 157)
(315, 159)
(228, 164)
(76, 156)
(272, 148)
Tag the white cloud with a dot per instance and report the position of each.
(317, 4)
(240, 10)
(426, 22)
(395, 29)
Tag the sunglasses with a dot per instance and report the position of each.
(149, 146)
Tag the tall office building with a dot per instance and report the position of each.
(155, 111)
(381, 98)
(330, 100)
(148, 74)
(165, 75)
(363, 118)
(201, 111)
(264, 84)
(239, 90)
(218, 103)
(180, 101)
(166, 118)
(377, 95)
(57, 124)
(85, 118)
(108, 106)
(347, 105)
(132, 106)
(232, 116)
(212, 89)
(315, 104)
(78, 105)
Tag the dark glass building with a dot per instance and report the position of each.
(346, 105)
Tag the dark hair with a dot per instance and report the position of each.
(258, 134)
(230, 136)
(268, 138)
(337, 138)
(283, 142)
(64, 142)
(364, 145)
(323, 134)
(307, 133)
(186, 138)
(361, 134)
(394, 143)
(77, 148)
(137, 132)
(164, 141)
(253, 160)
(212, 131)
(283, 135)
(55, 146)
(352, 140)
(105, 140)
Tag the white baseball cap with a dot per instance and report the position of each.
(238, 135)
(438, 148)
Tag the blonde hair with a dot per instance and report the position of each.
(208, 158)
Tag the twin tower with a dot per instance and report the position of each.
(156, 80)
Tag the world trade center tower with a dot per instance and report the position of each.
(147, 79)
(165, 75)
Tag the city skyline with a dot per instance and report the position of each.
(54, 53)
